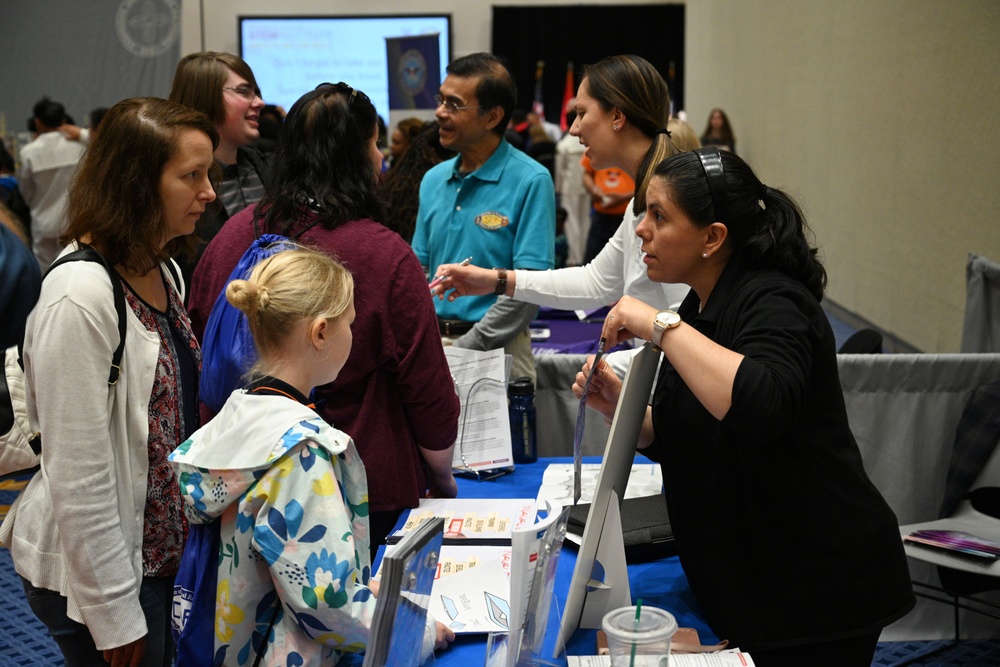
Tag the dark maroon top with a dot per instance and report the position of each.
(395, 391)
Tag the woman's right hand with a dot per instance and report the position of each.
(605, 388)
(466, 280)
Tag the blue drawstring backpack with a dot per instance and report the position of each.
(227, 350)
(192, 617)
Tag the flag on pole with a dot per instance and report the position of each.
(567, 96)
(538, 106)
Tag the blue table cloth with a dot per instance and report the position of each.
(659, 583)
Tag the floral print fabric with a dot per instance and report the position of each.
(294, 529)
(164, 526)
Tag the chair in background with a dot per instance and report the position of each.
(981, 326)
(865, 341)
(971, 505)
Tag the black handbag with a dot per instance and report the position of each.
(646, 528)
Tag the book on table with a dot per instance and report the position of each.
(957, 542)
(407, 576)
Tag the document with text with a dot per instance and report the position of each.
(483, 424)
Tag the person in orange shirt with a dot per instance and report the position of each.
(611, 190)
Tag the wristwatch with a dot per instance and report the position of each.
(665, 319)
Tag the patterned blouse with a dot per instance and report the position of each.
(173, 416)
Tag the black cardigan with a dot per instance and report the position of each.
(783, 537)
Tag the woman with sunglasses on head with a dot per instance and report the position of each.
(97, 534)
(222, 87)
(395, 395)
(622, 110)
(789, 548)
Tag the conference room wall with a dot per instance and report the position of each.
(880, 117)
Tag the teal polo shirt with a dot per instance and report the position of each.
(502, 215)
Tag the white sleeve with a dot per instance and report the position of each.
(600, 283)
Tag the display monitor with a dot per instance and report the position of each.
(619, 454)
(290, 55)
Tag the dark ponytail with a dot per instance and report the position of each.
(766, 227)
(781, 242)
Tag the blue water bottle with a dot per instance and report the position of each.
(521, 395)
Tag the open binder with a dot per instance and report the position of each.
(397, 631)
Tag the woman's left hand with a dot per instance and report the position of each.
(129, 655)
(630, 318)
(605, 387)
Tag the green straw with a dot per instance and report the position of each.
(638, 610)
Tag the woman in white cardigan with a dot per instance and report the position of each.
(622, 110)
(97, 534)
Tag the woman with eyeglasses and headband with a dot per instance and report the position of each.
(622, 110)
(222, 87)
(395, 395)
(789, 548)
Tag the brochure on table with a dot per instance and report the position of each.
(483, 424)
(535, 556)
(730, 658)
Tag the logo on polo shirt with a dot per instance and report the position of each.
(491, 221)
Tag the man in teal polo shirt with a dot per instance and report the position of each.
(491, 203)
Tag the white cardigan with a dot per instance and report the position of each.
(77, 527)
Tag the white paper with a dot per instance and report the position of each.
(730, 658)
(483, 424)
(645, 479)
(472, 592)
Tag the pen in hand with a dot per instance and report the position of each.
(437, 281)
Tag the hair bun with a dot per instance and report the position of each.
(246, 296)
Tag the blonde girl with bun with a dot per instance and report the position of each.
(290, 489)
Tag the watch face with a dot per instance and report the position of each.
(667, 319)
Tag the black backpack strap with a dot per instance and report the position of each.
(89, 254)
